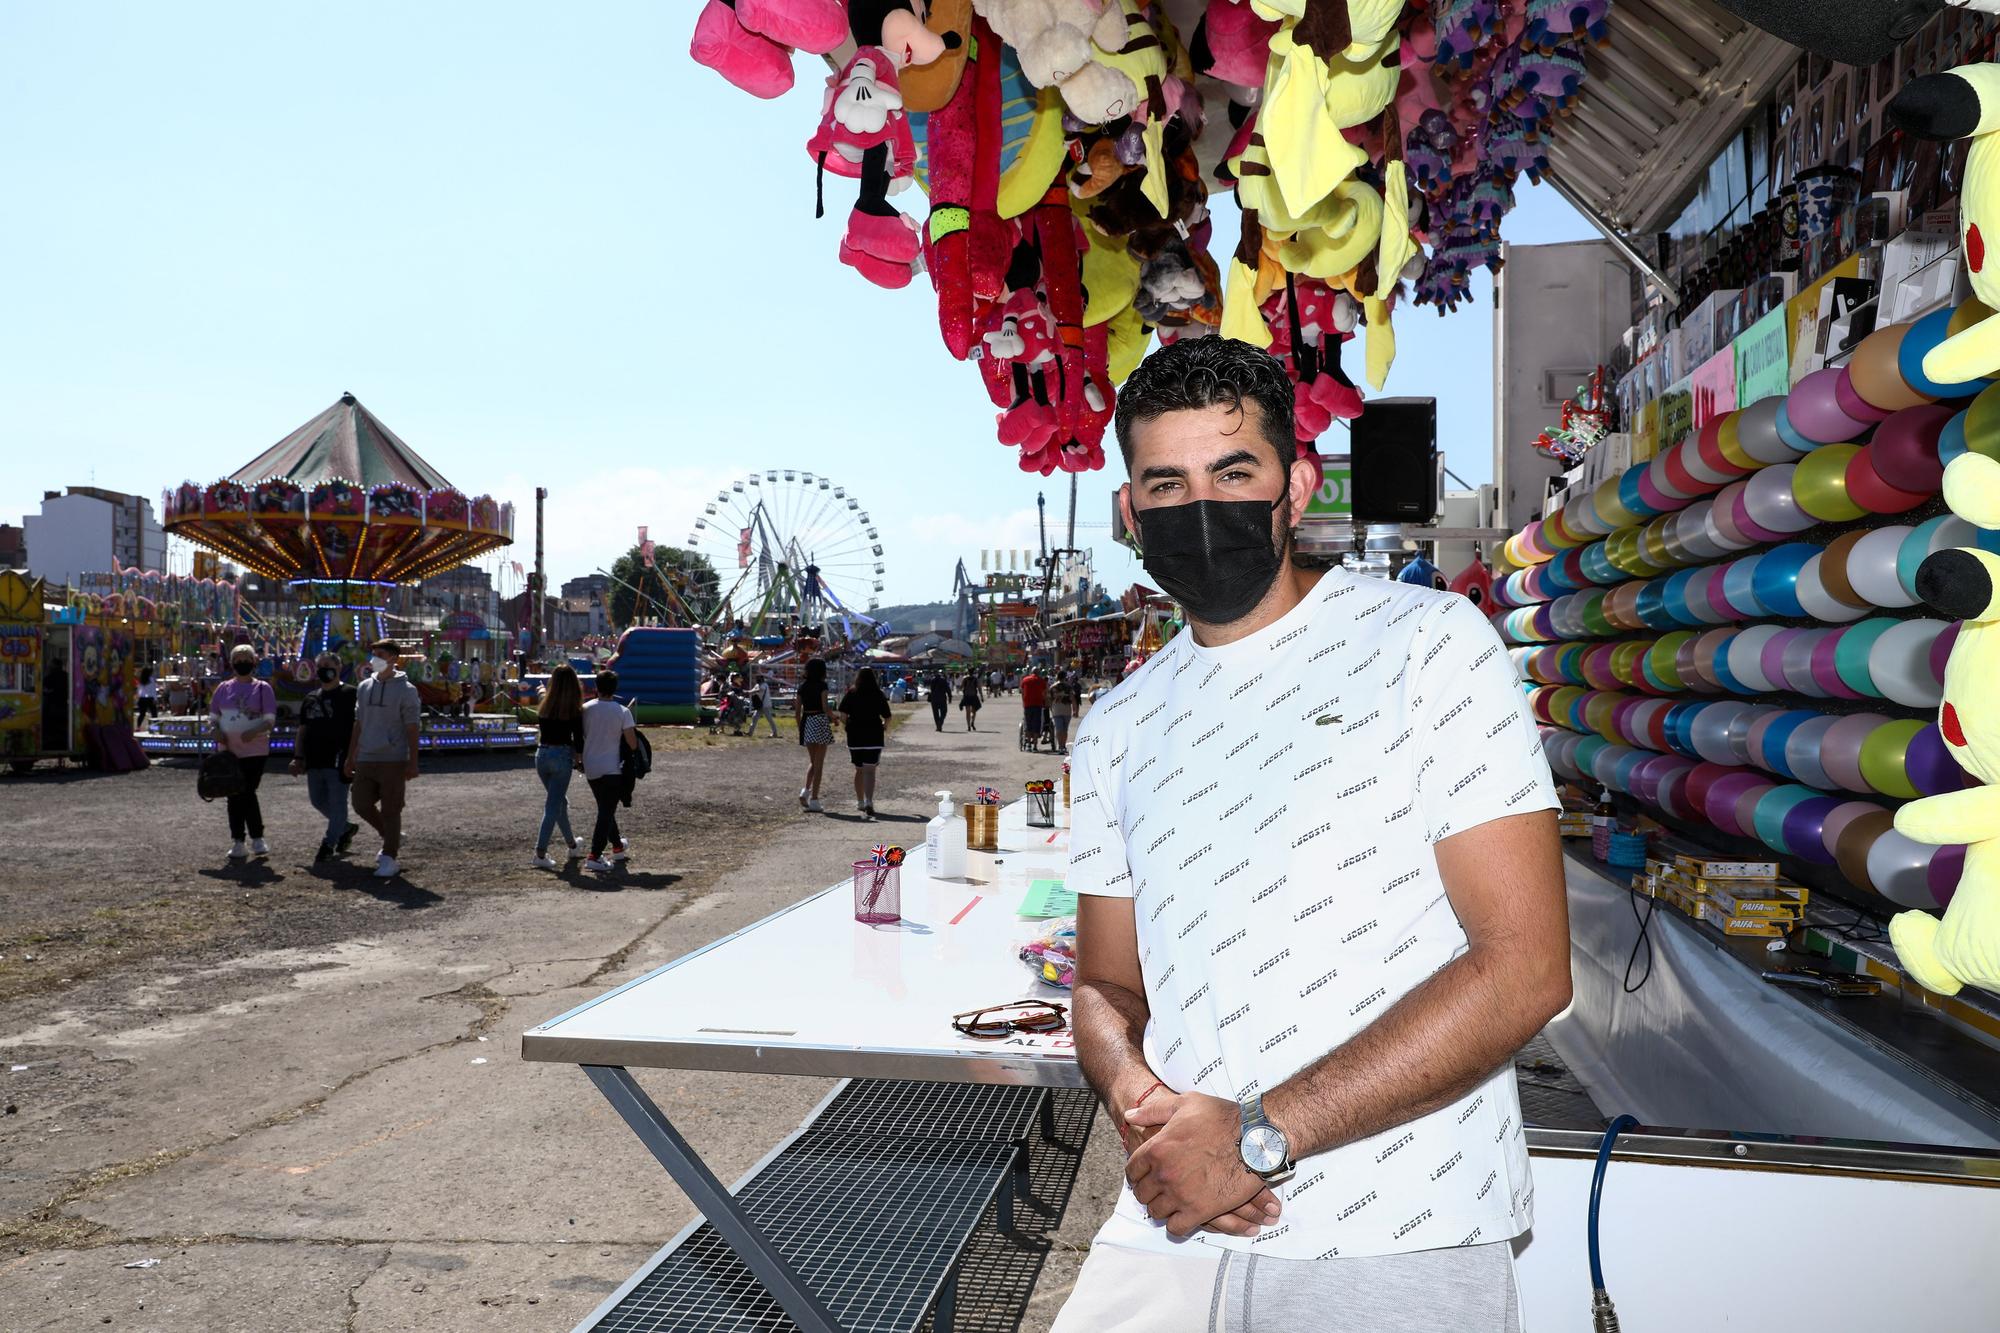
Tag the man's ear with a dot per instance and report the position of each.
(1125, 512)
(1301, 480)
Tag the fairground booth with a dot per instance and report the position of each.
(1743, 540)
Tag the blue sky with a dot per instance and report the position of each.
(538, 241)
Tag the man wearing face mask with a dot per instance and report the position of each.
(326, 720)
(382, 750)
(1322, 907)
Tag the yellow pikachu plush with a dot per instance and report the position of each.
(1952, 105)
(1964, 948)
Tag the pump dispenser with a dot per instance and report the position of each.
(944, 841)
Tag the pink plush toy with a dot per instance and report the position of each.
(815, 26)
(754, 63)
(1235, 42)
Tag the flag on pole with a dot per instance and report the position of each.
(645, 547)
(743, 549)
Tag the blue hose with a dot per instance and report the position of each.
(1617, 1127)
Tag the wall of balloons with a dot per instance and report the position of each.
(1767, 561)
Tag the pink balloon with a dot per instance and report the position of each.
(1905, 448)
(1840, 749)
(1853, 403)
(1720, 803)
(1826, 676)
(1703, 776)
(1673, 793)
(1813, 408)
(1704, 594)
(1728, 502)
(1654, 496)
(1771, 661)
(1743, 815)
(1838, 818)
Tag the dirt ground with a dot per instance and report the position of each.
(298, 1088)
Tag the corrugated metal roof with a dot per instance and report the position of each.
(1671, 84)
(346, 442)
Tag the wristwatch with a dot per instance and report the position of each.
(1262, 1144)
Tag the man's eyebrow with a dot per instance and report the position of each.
(1161, 472)
(1228, 461)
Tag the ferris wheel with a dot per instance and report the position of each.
(801, 546)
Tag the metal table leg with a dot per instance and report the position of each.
(709, 1195)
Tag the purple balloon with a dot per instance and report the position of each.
(1771, 661)
(1824, 674)
(1813, 406)
(1944, 872)
(1727, 506)
(1743, 815)
(1941, 648)
(1804, 829)
(1650, 492)
(1739, 512)
(1706, 585)
(1929, 764)
(1725, 791)
(1853, 403)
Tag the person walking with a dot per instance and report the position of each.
(149, 699)
(968, 700)
(815, 731)
(606, 722)
(1062, 705)
(326, 721)
(382, 751)
(939, 691)
(760, 700)
(1034, 701)
(241, 714)
(559, 719)
(866, 710)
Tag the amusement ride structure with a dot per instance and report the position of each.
(342, 511)
(806, 551)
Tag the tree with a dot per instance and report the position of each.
(639, 592)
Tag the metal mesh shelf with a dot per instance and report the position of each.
(975, 1111)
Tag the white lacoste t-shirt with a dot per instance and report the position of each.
(1270, 806)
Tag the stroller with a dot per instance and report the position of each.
(735, 710)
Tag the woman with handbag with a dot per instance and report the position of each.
(241, 714)
(815, 731)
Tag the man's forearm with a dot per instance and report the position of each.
(1430, 1048)
(1110, 1026)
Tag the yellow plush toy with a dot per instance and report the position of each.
(1961, 102)
(1964, 948)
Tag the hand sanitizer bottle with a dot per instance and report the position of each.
(944, 841)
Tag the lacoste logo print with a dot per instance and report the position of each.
(1471, 1238)
(1396, 679)
(1233, 939)
(1394, 1148)
(1210, 734)
(1118, 878)
(1209, 679)
(1207, 1069)
(1271, 819)
(1323, 706)
(1358, 931)
(1454, 711)
(1398, 742)
(1357, 1205)
(1158, 842)
(1271, 962)
(1310, 769)
(1229, 1018)
(1505, 1125)
(1286, 1035)
(1487, 1188)
(1241, 746)
(1186, 662)
(1317, 982)
(1405, 613)
(1272, 1234)
(1413, 1224)
(1369, 611)
(1289, 693)
(1360, 786)
(1117, 704)
(1333, 647)
(1134, 774)
(1368, 661)
(1162, 907)
(1084, 855)
(1276, 757)
(1168, 778)
(1177, 721)
(1482, 659)
(1310, 834)
(1249, 684)
(1471, 1108)
(1189, 1003)
(1356, 726)
(1307, 1183)
(1118, 760)
(1130, 832)
(1327, 901)
(1196, 856)
(1333, 1253)
(1520, 795)
(1357, 858)
(1341, 591)
(1437, 647)
(1287, 637)
(1150, 714)
(1162, 982)
(1269, 889)
(1199, 917)
(1400, 880)
(1449, 1163)
(1401, 949)
(1498, 727)
(1240, 865)
(1367, 1000)
(1238, 806)
(1203, 792)
(1395, 815)
(1169, 1055)
(1467, 780)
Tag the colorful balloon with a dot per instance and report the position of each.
(1819, 483)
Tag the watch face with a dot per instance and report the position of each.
(1263, 1148)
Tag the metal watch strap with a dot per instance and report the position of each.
(1251, 1104)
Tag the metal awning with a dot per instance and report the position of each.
(1662, 95)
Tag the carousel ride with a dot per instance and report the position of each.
(342, 512)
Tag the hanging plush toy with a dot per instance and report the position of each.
(1953, 105)
(1019, 348)
(864, 133)
(750, 42)
(1964, 948)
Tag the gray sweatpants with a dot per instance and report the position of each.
(1469, 1289)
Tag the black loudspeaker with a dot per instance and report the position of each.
(1392, 450)
(1853, 32)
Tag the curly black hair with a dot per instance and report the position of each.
(1194, 373)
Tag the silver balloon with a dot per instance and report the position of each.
(1739, 731)
(1757, 432)
(1871, 566)
(1899, 867)
(1802, 751)
(1711, 729)
(1746, 653)
(1899, 662)
(1798, 657)
(1768, 498)
(1818, 602)
(1694, 531)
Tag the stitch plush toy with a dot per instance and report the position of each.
(1960, 102)
(1964, 948)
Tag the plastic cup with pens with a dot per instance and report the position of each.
(878, 886)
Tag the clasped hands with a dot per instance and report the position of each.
(1185, 1168)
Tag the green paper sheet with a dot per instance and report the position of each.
(1046, 898)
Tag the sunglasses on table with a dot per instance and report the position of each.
(1020, 1016)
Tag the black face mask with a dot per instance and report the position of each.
(327, 675)
(1215, 557)
(243, 668)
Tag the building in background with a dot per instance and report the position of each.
(585, 609)
(86, 529)
(466, 588)
(13, 547)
